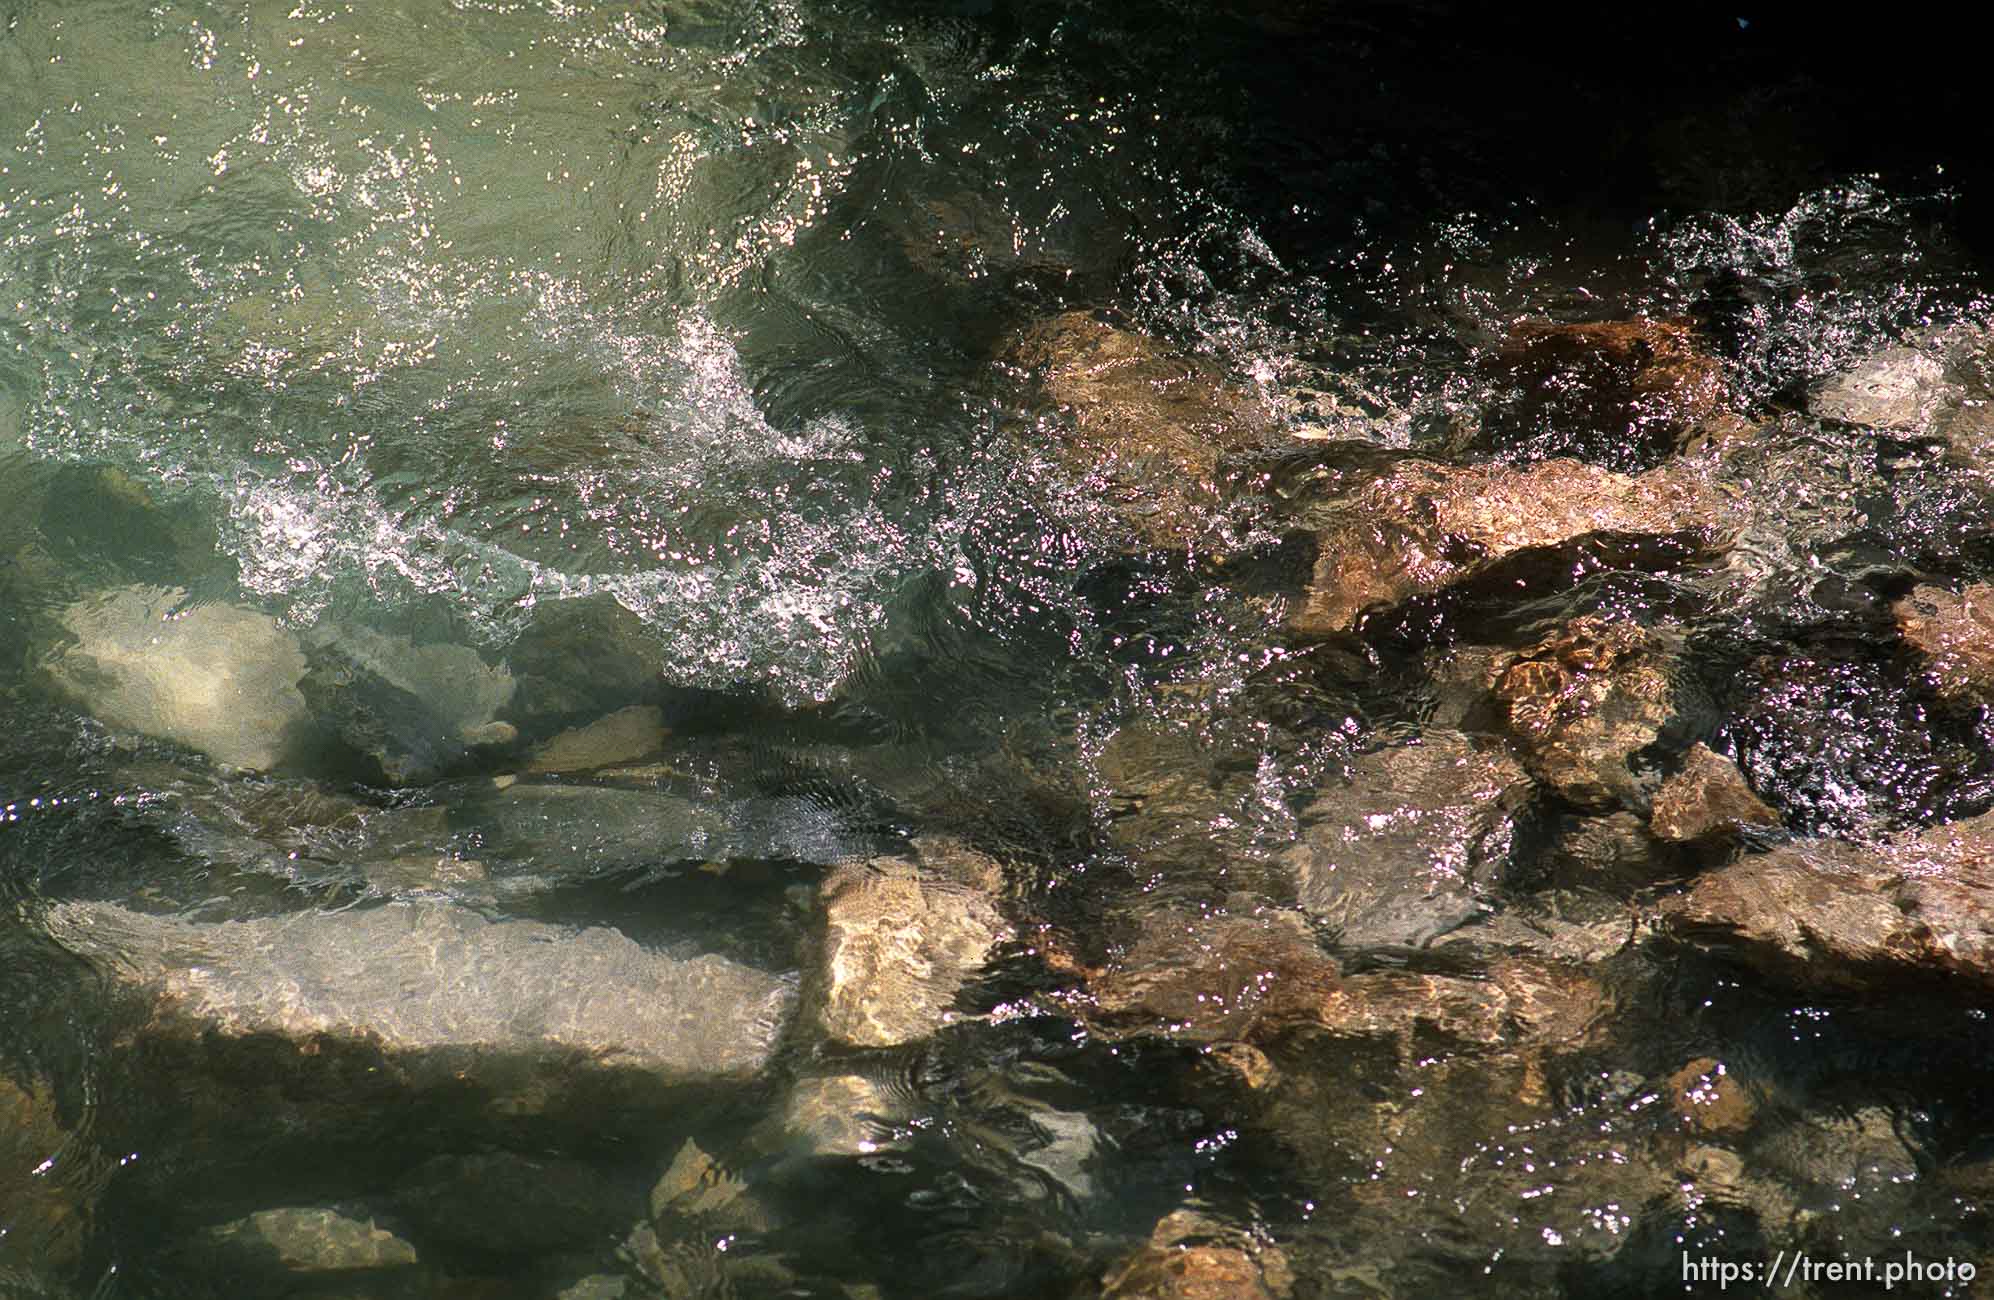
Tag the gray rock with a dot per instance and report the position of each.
(308, 1240)
(1408, 848)
(572, 829)
(419, 977)
(452, 681)
(416, 710)
(217, 678)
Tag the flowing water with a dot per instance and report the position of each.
(542, 361)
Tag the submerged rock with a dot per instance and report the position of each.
(1900, 387)
(1954, 633)
(901, 939)
(502, 1203)
(1936, 382)
(565, 830)
(1710, 1100)
(1838, 915)
(1708, 797)
(1419, 526)
(1626, 392)
(622, 737)
(427, 978)
(1152, 425)
(45, 1209)
(1192, 1257)
(1408, 849)
(416, 710)
(213, 677)
(1584, 700)
(582, 658)
(306, 1240)
(1255, 978)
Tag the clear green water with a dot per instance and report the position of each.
(434, 319)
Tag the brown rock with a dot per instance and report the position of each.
(1406, 850)
(1583, 700)
(1633, 383)
(1825, 913)
(1710, 1099)
(1955, 634)
(1252, 978)
(1419, 526)
(1192, 1257)
(1707, 797)
(1151, 425)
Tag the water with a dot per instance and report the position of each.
(521, 364)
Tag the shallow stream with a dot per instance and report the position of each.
(406, 387)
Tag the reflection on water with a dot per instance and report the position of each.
(724, 649)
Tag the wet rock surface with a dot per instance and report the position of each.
(1935, 381)
(641, 763)
(272, 1243)
(1190, 1257)
(622, 737)
(44, 1208)
(1836, 915)
(1420, 526)
(1954, 633)
(1248, 979)
(1414, 845)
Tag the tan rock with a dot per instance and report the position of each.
(1955, 634)
(45, 1181)
(1253, 978)
(305, 1240)
(1419, 526)
(1582, 701)
(1151, 425)
(900, 943)
(1707, 797)
(623, 737)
